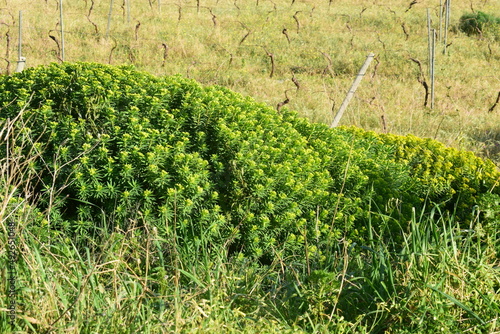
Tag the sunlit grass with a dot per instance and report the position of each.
(228, 43)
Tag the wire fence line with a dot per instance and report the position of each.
(47, 34)
(119, 34)
(233, 10)
(127, 37)
(34, 32)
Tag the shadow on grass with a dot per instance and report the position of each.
(487, 143)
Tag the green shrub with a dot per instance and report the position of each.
(99, 127)
(479, 24)
(122, 145)
(210, 167)
(396, 175)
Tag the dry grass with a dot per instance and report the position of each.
(229, 43)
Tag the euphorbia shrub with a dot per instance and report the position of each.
(123, 146)
(400, 174)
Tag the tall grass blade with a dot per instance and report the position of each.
(457, 303)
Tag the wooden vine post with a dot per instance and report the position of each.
(432, 64)
(128, 11)
(21, 61)
(351, 92)
(447, 13)
(19, 50)
(429, 40)
(62, 28)
(440, 20)
(109, 17)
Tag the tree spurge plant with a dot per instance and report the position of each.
(208, 164)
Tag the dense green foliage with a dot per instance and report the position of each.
(157, 191)
(125, 146)
(480, 23)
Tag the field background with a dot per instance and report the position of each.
(320, 44)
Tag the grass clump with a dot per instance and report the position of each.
(480, 23)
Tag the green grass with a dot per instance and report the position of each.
(443, 279)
